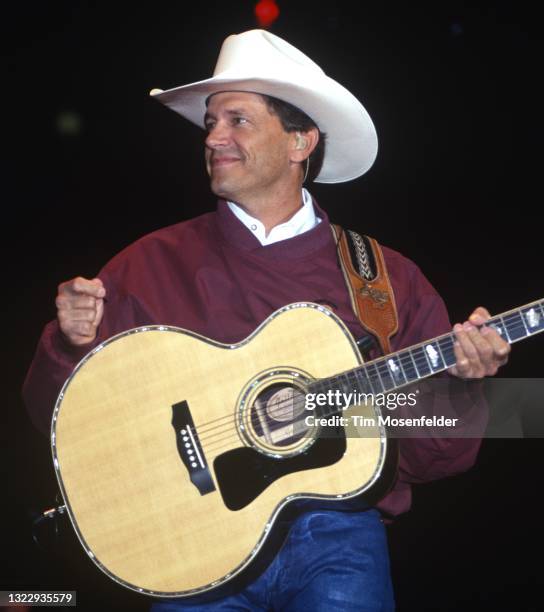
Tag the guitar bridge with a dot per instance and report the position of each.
(190, 449)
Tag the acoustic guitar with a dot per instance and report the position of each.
(182, 460)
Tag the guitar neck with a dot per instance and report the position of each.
(420, 361)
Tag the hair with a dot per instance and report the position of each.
(293, 119)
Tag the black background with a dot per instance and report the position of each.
(454, 91)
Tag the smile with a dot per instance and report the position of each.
(223, 161)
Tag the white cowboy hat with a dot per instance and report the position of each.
(260, 62)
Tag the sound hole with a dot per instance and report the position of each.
(277, 416)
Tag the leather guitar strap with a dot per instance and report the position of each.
(365, 273)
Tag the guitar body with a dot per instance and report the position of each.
(180, 459)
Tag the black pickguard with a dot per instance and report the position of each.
(244, 473)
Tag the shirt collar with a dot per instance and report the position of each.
(303, 220)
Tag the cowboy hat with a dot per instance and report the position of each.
(260, 62)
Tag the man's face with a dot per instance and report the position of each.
(247, 149)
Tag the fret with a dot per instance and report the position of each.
(387, 380)
(370, 368)
(369, 377)
(426, 355)
(505, 328)
(541, 307)
(317, 386)
(500, 329)
(377, 368)
(421, 372)
(534, 320)
(437, 344)
(343, 383)
(348, 390)
(447, 350)
(423, 365)
(397, 371)
(351, 380)
(364, 384)
(399, 358)
(408, 366)
(527, 332)
(515, 330)
(435, 360)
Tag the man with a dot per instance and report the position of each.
(272, 120)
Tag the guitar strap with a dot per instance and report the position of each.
(371, 294)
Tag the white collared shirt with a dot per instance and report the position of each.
(303, 220)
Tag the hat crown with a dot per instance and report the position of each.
(261, 52)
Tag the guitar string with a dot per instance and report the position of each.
(379, 364)
(421, 361)
(233, 439)
(212, 448)
(512, 326)
(233, 432)
(232, 427)
(383, 371)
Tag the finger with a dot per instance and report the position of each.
(70, 324)
(492, 351)
(99, 313)
(489, 360)
(82, 315)
(83, 286)
(81, 332)
(466, 336)
(462, 364)
(500, 347)
(479, 316)
(483, 347)
(93, 287)
(76, 302)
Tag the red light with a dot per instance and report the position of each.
(267, 12)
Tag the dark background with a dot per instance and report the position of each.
(93, 163)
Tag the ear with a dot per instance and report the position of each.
(302, 144)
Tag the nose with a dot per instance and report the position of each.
(218, 135)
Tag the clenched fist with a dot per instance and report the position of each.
(80, 306)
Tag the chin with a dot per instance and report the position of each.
(222, 189)
(217, 185)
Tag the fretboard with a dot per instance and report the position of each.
(409, 365)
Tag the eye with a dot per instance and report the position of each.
(208, 125)
(239, 120)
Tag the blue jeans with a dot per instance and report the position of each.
(330, 562)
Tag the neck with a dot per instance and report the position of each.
(273, 210)
(386, 374)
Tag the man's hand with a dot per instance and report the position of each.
(80, 306)
(479, 352)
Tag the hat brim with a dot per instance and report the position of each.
(352, 143)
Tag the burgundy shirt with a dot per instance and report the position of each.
(210, 275)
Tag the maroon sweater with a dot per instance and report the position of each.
(212, 276)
